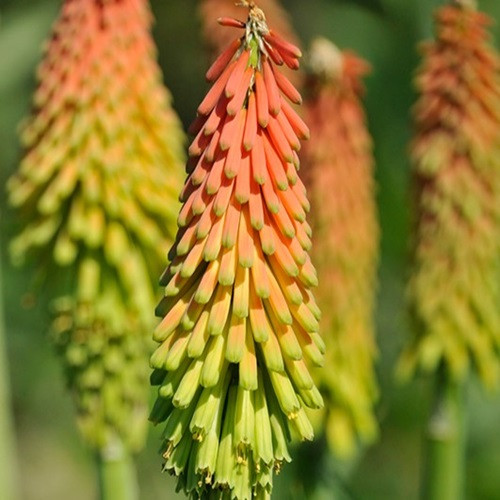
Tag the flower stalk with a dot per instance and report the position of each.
(8, 457)
(445, 443)
(116, 474)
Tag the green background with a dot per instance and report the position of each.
(53, 463)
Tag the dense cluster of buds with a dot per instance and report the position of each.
(97, 189)
(217, 40)
(239, 328)
(338, 173)
(106, 363)
(454, 290)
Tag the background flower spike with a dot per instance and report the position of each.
(97, 193)
(338, 171)
(453, 290)
(250, 283)
(276, 15)
(454, 287)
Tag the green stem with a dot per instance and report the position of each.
(8, 459)
(445, 465)
(117, 475)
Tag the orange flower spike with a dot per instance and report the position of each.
(97, 190)
(240, 305)
(454, 286)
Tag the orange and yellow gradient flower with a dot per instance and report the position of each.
(97, 193)
(454, 288)
(240, 323)
(338, 172)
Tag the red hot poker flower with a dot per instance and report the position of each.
(338, 165)
(97, 195)
(240, 324)
(454, 288)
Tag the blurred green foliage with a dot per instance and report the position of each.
(54, 463)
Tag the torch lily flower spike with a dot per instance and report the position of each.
(454, 289)
(338, 173)
(240, 325)
(97, 190)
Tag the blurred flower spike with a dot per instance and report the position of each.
(338, 172)
(97, 192)
(240, 324)
(454, 290)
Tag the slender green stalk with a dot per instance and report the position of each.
(117, 475)
(445, 453)
(8, 468)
